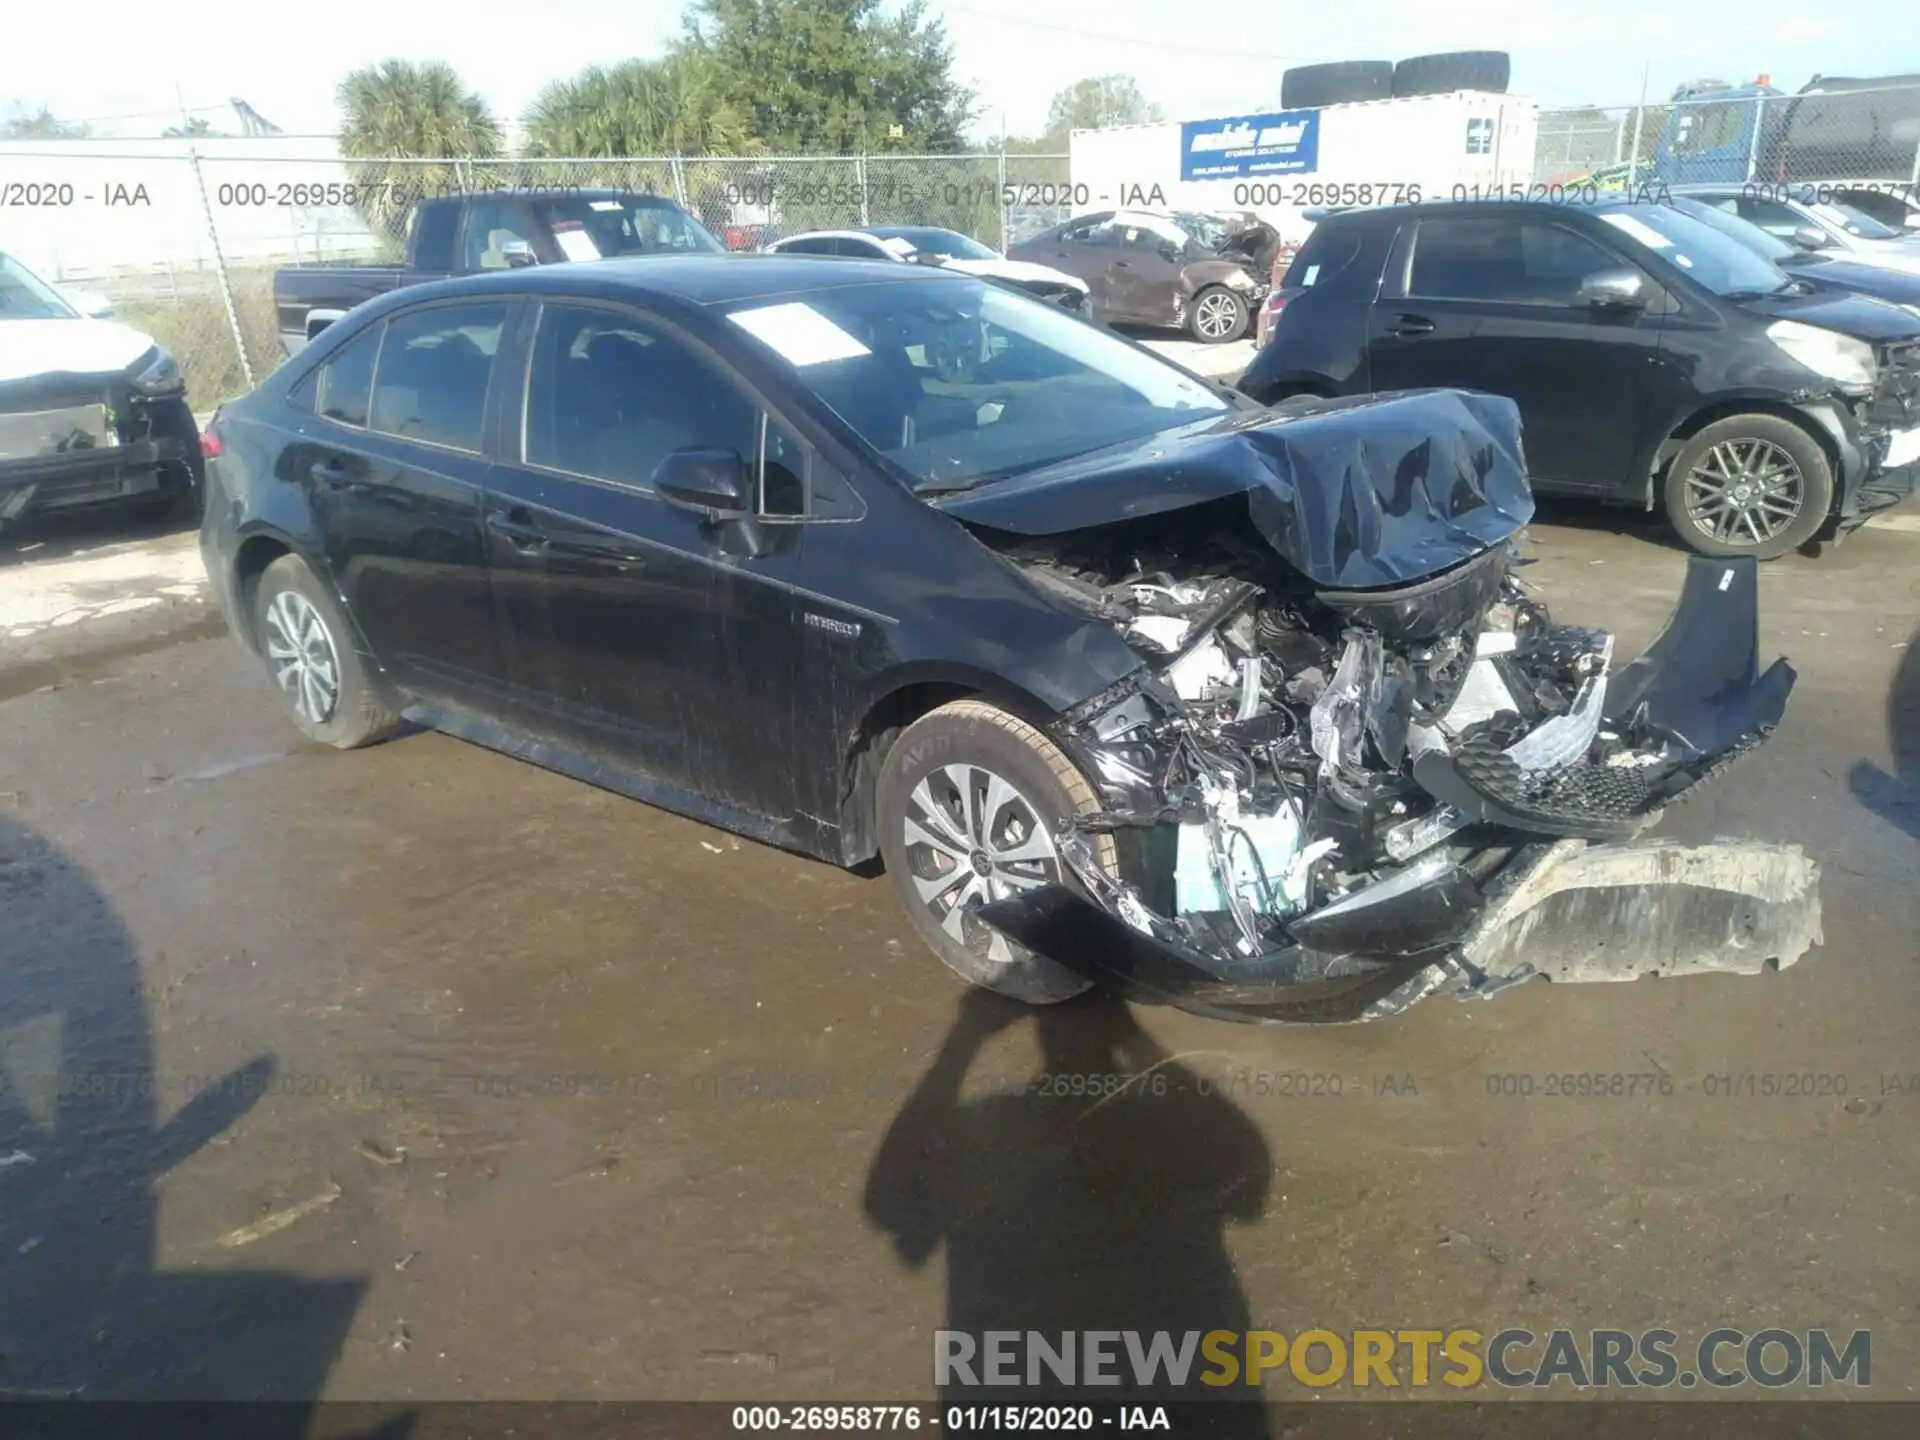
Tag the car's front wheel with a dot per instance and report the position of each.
(969, 800)
(1218, 315)
(307, 644)
(1754, 485)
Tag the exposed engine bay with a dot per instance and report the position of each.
(1330, 800)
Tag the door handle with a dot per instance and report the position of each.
(1407, 326)
(1123, 264)
(516, 526)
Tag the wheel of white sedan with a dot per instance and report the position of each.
(969, 800)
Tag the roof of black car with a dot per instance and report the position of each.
(698, 279)
(1427, 209)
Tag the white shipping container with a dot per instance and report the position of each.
(1463, 145)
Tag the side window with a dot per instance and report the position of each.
(1328, 251)
(1771, 216)
(434, 367)
(808, 247)
(1475, 259)
(1700, 128)
(491, 225)
(861, 249)
(346, 380)
(1136, 237)
(1090, 230)
(1499, 258)
(1555, 260)
(609, 398)
(435, 226)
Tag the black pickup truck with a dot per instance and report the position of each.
(490, 230)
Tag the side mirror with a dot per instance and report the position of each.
(1619, 288)
(713, 482)
(517, 253)
(1169, 250)
(1809, 237)
(89, 303)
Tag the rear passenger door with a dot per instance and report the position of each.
(1491, 302)
(392, 464)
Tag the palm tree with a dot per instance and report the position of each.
(667, 106)
(407, 110)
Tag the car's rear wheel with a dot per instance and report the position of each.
(1217, 316)
(1749, 485)
(308, 647)
(969, 800)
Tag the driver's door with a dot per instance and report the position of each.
(1492, 303)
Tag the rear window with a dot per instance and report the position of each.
(1329, 250)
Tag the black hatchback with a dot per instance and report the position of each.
(1655, 361)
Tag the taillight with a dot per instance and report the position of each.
(1270, 313)
(210, 445)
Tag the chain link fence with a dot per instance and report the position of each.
(217, 226)
(1861, 135)
(182, 239)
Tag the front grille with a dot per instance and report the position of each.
(1895, 402)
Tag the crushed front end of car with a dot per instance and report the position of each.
(1334, 798)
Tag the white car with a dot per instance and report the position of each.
(92, 412)
(929, 245)
(1802, 218)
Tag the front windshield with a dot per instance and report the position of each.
(949, 243)
(1744, 232)
(25, 296)
(1725, 266)
(589, 227)
(1854, 222)
(958, 381)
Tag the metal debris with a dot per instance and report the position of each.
(279, 1220)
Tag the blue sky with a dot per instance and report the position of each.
(1016, 53)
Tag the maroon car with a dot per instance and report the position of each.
(1202, 273)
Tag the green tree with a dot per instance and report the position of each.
(669, 106)
(400, 108)
(403, 110)
(834, 76)
(192, 128)
(1097, 103)
(41, 124)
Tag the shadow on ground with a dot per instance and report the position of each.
(67, 533)
(84, 1312)
(1060, 1211)
(1896, 797)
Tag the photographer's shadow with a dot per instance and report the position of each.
(83, 1312)
(1103, 1210)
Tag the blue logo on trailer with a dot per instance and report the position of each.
(1284, 143)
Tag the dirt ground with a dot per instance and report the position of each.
(421, 1073)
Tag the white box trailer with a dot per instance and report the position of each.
(1281, 164)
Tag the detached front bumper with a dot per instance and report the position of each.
(153, 450)
(1543, 898)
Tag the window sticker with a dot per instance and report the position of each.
(798, 333)
(1637, 229)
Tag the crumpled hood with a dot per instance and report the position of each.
(1355, 494)
(1016, 270)
(74, 347)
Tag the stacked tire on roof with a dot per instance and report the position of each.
(1343, 82)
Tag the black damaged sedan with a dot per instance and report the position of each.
(1124, 678)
